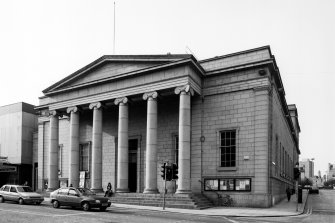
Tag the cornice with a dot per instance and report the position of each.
(237, 53)
(240, 67)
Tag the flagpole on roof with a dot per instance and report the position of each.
(114, 32)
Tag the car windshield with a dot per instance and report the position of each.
(85, 191)
(24, 189)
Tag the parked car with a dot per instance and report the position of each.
(78, 197)
(314, 190)
(20, 194)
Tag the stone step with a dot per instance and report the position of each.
(152, 199)
(185, 201)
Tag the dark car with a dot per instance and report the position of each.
(314, 190)
(20, 194)
(78, 197)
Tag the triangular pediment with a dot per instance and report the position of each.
(109, 67)
(107, 70)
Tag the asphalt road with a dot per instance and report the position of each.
(11, 212)
(320, 208)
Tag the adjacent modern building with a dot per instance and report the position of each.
(17, 125)
(307, 168)
(330, 171)
(224, 121)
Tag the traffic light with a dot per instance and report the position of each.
(174, 171)
(163, 171)
(168, 173)
(296, 173)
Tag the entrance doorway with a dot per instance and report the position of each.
(132, 168)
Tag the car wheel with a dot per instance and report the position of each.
(86, 206)
(21, 201)
(38, 203)
(55, 204)
(2, 199)
(103, 208)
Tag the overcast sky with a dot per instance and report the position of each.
(43, 41)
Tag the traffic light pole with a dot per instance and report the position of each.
(296, 174)
(164, 186)
(297, 193)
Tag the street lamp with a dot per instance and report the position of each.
(296, 177)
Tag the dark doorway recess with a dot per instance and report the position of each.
(132, 169)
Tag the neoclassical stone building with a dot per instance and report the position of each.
(224, 121)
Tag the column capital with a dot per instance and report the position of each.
(122, 100)
(152, 95)
(73, 109)
(96, 105)
(53, 113)
(185, 88)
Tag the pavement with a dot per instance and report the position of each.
(283, 208)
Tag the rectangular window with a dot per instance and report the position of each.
(276, 159)
(281, 160)
(228, 148)
(85, 158)
(234, 184)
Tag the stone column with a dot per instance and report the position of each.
(184, 160)
(151, 147)
(122, 149)
(74, 146)
(96, 175)
(53, 152)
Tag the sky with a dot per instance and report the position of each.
(43, 41)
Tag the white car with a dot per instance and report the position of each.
(20, 194)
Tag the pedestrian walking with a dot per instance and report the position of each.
(109, 191)
(288, 194)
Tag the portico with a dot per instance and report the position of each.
(121, 95)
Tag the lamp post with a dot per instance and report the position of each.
(296, 184)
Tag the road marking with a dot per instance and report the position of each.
(44, 215)
(24, 212)
(230, 220)
(63, 215)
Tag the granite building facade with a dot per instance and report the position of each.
(18, 123)
(223, 120)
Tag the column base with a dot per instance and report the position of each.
(97, 190)
(150, 191)
(183, 191)
(122, 190)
